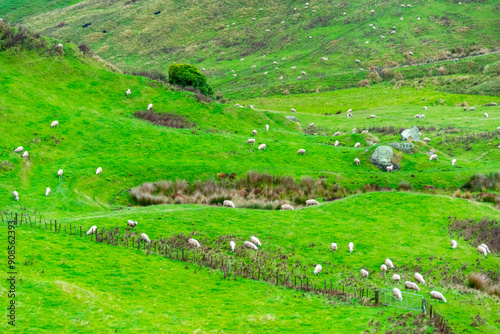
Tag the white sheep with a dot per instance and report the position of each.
(16, 195)
(318, 269)
(255, 240)
(393, 32)
(98, 171)
(422, 116)
(150, 106)
(397, 294)
(267, 127)
(251, 141)
(311, 202)
(486, 115)
(382, 36)
(303, 73)
(47, 192)
(357, 145)
(19, 149)
(251, 107)
(311, 125)
(128, 92)
(131, 223)
(54, 124)
(411, 286)
(232, 244)
(389, 168)
(433, 157)
(425, 108)
(293, 110)
(486, 247)
(338, 133)
(336, 143)
(145, 237)
(383, 268)
(419, 278)
(25, 154)
(396, 278)
(266, 72)
(453, 244)
(373, 116)
(333, 246)
(280, 78)
(60, 173)
(301, 151)
(482, 250)
(92, 230)
(357, 61)
(364, 273)
(228, 204)
(453, 162)
(262, 147)
(364, 131)
(472, 109)
(389, 264)
(194, 243)
(351, 247)
(427, 139)
(356, 161)
(254, 132)
(437, 295)
(254, 66)
(250, 245)
(286, 207)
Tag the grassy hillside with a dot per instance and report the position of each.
(292, 34)
(14, 10)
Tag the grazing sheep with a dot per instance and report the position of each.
(383, 268)
(336, 143)
(311, 202)
(364, 131)
(357, 61)
(311, 125)
(293, 67)
(98, 171)
(465, 108)
(338, 133)
(299, 78)
(310, 37)
(128, 92)
(131, 223)
(333, 246)
(267, 127)
(373, 116)
(228, 204)
(254, 132)
(280, 78)
(485, 247)
(411, 286)
(286, 207)
(25, 154)
(356, 161)
(262, 147)
(351, 247)
(438, 296)
(145, 237)
(254, 66)
(251, 107)
(303, 73)
(232, 244)
(364, 273)
(60, 172)
(318, 269)
(453, 162)
(396, 278)
(389, 264)
(293, 110)
(472, 109)
(425, 108)
(150, 106)
(427, 139)
(47, 192)
(422, 116)
(357, 145)
(393, 32)
(256, 241)
(194, 243)
(301, 151)
(16, 195)
(397, 294)
(19, 149)
(389, 168)
(382, 36)
(250, 245)
(419, 278)
(54, 124)
(275, 63)
(486, 115)
(251, 141)
(453, 244)
(92, 230)
(433, 157)
(482, 250)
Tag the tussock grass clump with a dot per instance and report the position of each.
(404, 185)
(170, 120)
(478, 281)
(485, 231)
(480, 182)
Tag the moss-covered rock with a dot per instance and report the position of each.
(383, 157)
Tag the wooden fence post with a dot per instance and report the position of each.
(376, 297)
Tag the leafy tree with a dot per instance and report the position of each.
(188, 75)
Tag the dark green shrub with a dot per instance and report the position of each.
(186, 75)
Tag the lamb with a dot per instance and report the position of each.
(131, 223)
(357, 145)
(364, 273)
(356, 161)
(389, 168)
(228, 204)
(373, 116)
(453, 244)
(425, 108)
(433, 157)
(232, 244)
(472, 109)
(250, 245)
(150, 106)
(351, 247)
(293, 110)
(251, 141)
(25, 154)
(333, 246)
(453, 162)
(16, 195)
(427, 139)
(312, 202)
(256, 241)
(482, 250)
(301, 151)
(145, 237)
(254, 132)
(286, 207)
(194, 243)
(60, 172)
(411, 286)
(486, 247)
(47, 192)
(92, 230)
(336, 143)
(262, 147)
(396, 278)
(318, 269)
(54, 124)
(397, 294)
(98, 171)
(486, 115)
(267, 127)
(389, 264)
(419, 278)
(128, 92)
(383, 268)
(19, 149)
(438, 296)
